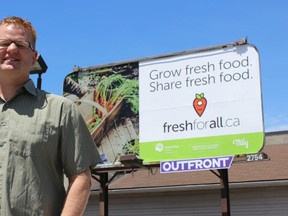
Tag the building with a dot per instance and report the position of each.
(256, 188)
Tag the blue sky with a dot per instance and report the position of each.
(89, 33)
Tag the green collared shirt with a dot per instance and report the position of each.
(42, 136)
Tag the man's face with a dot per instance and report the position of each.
(15, 62)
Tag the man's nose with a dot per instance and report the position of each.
(12, 46)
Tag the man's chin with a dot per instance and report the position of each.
(9, 67)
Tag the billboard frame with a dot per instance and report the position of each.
(100, 174)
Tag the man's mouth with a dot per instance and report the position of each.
(11, 59)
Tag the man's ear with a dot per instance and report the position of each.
(35, 55)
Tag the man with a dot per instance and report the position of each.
(42, 136)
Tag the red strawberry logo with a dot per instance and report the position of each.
(199, 104)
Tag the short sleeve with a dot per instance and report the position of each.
(78, 149)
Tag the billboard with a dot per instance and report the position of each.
(191, 104)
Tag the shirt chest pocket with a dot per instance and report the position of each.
(28, 140)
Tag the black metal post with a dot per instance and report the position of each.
(103, 196)
(39, 80)
(225, 199)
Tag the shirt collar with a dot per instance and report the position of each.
(29, 87)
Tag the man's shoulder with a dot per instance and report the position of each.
(54, 99)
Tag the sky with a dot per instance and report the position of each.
(95, 32)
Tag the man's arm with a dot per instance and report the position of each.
(78, 194)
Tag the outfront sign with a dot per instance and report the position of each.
(196, 164)
(200, 105)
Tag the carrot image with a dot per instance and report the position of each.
(109, 91)
(200, 104)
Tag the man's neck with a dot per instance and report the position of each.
(9, 85)
(7, 93)
(7, 90)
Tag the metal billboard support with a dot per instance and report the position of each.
(224, 191)
(225, 197)
(103, 196)
(103, 193)
(104, 182)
